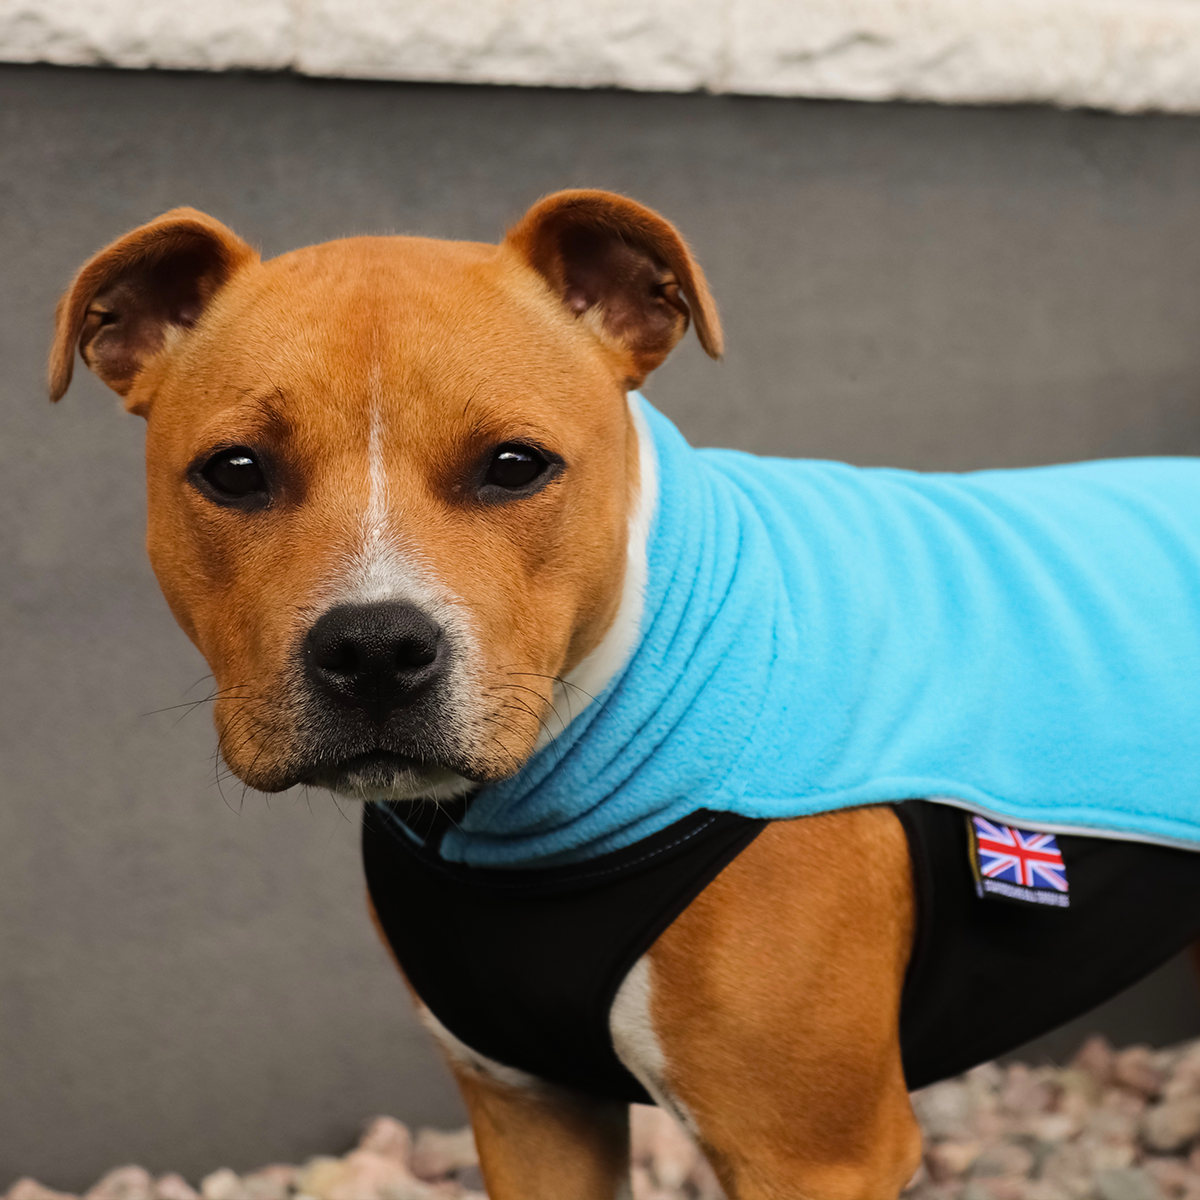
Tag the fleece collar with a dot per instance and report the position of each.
(1025, 644)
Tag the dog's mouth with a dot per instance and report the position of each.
(386, 775)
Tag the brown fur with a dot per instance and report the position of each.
(777, 1001)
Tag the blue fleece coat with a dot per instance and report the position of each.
(1025, 644)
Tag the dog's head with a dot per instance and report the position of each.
(389, 479)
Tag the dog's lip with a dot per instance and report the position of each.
(378, 758)
(327, 772)
(365, 761)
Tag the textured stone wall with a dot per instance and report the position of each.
(1127, 55)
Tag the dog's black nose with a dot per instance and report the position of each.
(377, 657)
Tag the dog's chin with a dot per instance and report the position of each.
(381, 775)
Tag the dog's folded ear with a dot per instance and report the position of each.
(124, 304)
(623, 269)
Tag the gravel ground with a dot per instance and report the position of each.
(1110, 1126)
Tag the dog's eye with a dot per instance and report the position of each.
(514, 466)
(234, 474)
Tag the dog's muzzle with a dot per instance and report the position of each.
(376, 714)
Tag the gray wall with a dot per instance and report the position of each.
(187, 976)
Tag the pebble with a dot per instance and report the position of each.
(658, 1144)
(436, 1154)
(222, 1185)
(389, 1137)
(174, 1187)
(30, 1189)
(270, 1183)
(125, 1183)
(1127, 1183)
(1137, 1070)
(1109, 1126)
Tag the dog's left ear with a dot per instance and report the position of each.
(622, 268)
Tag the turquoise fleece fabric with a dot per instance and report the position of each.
(1023, 643)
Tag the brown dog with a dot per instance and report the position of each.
(375, 424)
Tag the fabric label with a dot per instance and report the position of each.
(1017, 864)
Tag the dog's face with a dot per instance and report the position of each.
(389, 479)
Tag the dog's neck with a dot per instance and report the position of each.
(580, 687)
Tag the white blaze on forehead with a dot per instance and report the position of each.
(383, 569)
(379, 566)
(388, 565)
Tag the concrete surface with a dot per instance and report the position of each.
(187, 976)
(1126, 55)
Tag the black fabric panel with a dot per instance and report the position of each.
(987, 975)
(523, 965)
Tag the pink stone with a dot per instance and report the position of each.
(1069, 1166)
(388, 1137)
(30, 1189)
(1172, 1125)
(1118, 1115)
(1185, 1077)
(1046, 1189)
(1134, 1068)
(704, 1181)
(945, 1110)
(174, 1187)
(1110, 1153)
(1001, 1188)
(1002, 1160)
(1096, 1058)
(1171, 1174)
(125, 1183)
(644, 1187)
(223, 1185)
(369, 1176)
(660, 1144)
(1026, 1091)
(436, 1154)
(950, 1160)
(1052, 1126)
(270, 1183)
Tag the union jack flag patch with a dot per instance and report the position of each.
(1017, 864)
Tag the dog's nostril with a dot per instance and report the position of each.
(374, 656)
(339, 656)
(416, 652)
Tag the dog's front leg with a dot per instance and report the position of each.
(766, 1017)
(544, 1143)
(535, 1141)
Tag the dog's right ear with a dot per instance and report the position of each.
(140, 291)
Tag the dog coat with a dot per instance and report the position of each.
(522, 965)
(1021, 643)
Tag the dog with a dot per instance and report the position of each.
(755, 789)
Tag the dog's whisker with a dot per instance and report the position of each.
(190, 705)
(522, 706)
(549, 703)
